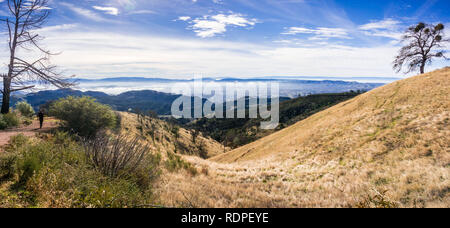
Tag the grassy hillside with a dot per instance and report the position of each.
(166, 137)
(388, 145)
(414, 110)
(238, 132)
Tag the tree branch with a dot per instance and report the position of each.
(23, 88)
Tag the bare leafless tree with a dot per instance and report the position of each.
(425, 42)
(24, 19)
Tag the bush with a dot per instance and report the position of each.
(175, 131)
(202, 149)
(25, 109)
(3, 124)
(11, 119)
(115, 155)
(83, 116)
(175, 163)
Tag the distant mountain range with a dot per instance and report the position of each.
(137, 100)
(288, 87)
(154, 94)
(228, 79)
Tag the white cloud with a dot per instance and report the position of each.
(389, 24)
(319, 33)
(184, 18)
(388, 28)
(108, 10)
(83, 12)
(210, 26)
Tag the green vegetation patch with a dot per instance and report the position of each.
(58, 173)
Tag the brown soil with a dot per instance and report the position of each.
(30, 130)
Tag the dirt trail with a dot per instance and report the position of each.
(31, 130)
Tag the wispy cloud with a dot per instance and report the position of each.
(319, 33)
(135, 12)
(57, 28)
(389, 24)
(83, 12)
(388, 28)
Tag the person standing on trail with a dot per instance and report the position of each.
(41, 118)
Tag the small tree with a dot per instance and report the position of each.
(83, 116)
(22, 20)
(424, 43)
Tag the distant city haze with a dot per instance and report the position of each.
(288, 87)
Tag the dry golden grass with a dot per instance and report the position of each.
(163, 140)
(395, 138)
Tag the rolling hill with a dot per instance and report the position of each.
(144, 100)
(169, 138)
(388, 145)
(238, 132)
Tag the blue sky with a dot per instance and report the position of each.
(232, 38)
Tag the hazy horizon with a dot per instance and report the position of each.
(312, 78)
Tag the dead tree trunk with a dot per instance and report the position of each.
(6, 95)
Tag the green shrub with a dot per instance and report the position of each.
(7, 166)
(11, 119)
(114, 193)
(175, 131)
(3, 124)
(83, 116)
(25, 109)
(175, 163)
(18, 141)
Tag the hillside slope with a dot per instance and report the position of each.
(239, 132)
(409, 116)
(392, 141)
(168, 138)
